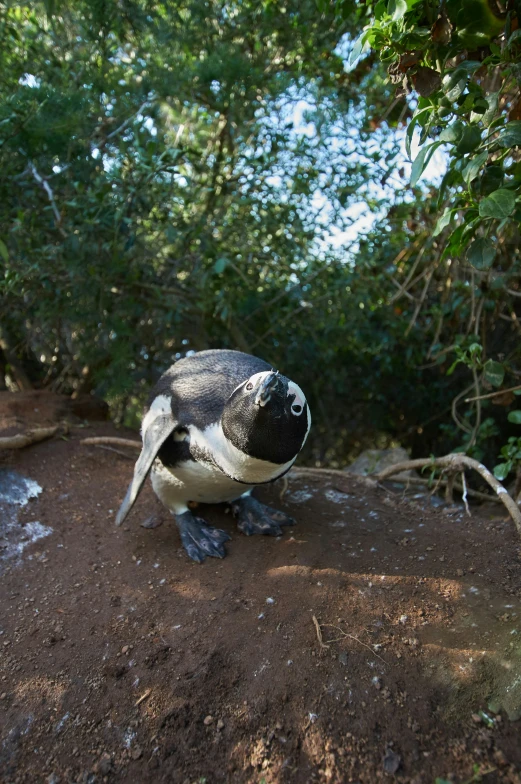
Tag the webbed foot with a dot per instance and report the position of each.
(199, 539)
(256, 518)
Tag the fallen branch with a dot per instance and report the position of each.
(98, 440)
(26, 439)
(458, 463)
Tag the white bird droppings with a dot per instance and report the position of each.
(16, 491)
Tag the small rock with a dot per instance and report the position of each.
(208, 720)
(391, 762)
(152, 522)
(220, 724)
(137, 753)
(476, 718)
(124, 649)
(104, 764)
(3, 695)
(403, 618)
(459, 572)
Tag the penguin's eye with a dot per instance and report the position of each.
(249, 386)
(296, 409)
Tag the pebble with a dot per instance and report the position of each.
(137, 752)
(220, 724)
(208, 720)
(391, 762)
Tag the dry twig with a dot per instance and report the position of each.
(143, 697)
(352, 637)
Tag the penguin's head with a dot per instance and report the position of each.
(267, 417)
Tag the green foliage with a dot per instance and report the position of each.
(511, 454)
(172, 176)
(468, 99)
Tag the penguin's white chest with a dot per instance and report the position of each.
(192, 481)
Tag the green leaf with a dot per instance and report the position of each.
(491, 179)
(492, 101)
(443, 221)
(500, 204)
(481, 253)
(471, 170)
(220, 265)
(470, 139)
(516, 36)
(4, 253)
(418, 118)
(359, 47)
(454, 85)
(452, 132)
(494, 372)
(397, 9)
(421, 161)
(502, 470)
(511, 135)
(515, 417)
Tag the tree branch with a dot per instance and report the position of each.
(458, 463)
(26, 439)
(48, 190)
(98, 440)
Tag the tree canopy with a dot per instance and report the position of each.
(178, 176)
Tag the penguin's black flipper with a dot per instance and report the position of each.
(154, 435)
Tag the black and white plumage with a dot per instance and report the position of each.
(217, 424)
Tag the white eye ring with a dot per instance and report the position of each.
(296, 409)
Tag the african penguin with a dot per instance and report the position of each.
(217, 424)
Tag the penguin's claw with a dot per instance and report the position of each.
(256, 518)
(199, 539)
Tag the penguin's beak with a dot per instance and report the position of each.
(266, 388)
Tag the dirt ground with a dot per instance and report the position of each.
(123, 661)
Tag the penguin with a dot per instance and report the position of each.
(217, 424)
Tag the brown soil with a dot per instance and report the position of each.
(123, 661)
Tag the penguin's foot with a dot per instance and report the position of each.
(256, 518)
(199, 539)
